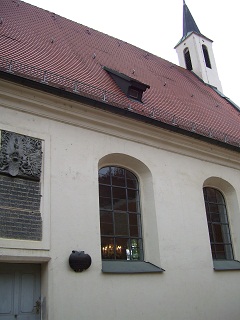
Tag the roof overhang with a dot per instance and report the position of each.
(188, 35)
(103, 105)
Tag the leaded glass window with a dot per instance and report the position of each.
(120, 217)
(218, 226)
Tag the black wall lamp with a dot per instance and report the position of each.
(79, 261)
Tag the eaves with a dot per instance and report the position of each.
(104, 105)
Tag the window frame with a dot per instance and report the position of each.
(126, 235)
(233, 211)
(135, 93)
(218, 224)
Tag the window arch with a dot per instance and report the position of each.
(148, 236)
(206, 56)
(188, 60)
(120, 217)
(218, 225)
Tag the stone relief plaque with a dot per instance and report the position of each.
(20, 155)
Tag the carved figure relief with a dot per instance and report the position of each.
(20, 155)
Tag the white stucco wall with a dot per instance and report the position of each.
(76, 140)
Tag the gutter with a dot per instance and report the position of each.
(103, 105)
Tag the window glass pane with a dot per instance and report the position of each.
(105, 203)
(217, 233)
(118, 176)
(134, 231)
(120, 201)
(220, 251)
(226, 234)
(135, 249)
(132, 195)
(131, 180)
(133, 206)
(211, 195)
(106, 229)
(122, 249)
(208, 212)
(106, 216)
(104, 191)
(133, 219)
(134, 222)
(218, 226)
(121, 223)
(215, 217)
(223, 213)
(210, 232)
(104, 175)
(106, 220)
(213, 208)
(134, 93)
(229, 252)
(213, 251)
(119, 193)
(140, 249)
(219, 198)
(108, 251)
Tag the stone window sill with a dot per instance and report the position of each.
(226, 265)
(129, 267)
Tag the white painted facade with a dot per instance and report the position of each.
(172, 170)
(194, 43)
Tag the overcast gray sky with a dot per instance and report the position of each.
(156, 26)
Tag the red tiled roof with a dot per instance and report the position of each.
(71, 52)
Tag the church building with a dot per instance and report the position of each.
(119, 176)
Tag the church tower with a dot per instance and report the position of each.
(195, 51)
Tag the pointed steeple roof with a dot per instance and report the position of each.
(189, 24)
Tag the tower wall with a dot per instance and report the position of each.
(194, 43)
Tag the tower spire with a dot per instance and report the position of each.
(189, 24)
(195, 51)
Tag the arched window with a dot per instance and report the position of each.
(188, 60)
(218, 225)
(206, 56)
(120, 217)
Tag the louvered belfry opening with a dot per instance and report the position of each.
(206, 56)
(188, 60)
